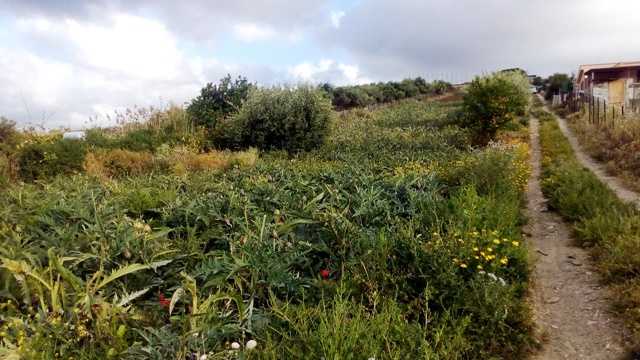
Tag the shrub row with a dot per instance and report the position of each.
(347, 97)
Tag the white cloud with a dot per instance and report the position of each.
(336, 18)
(249, 32)
(327, 71)
(308, 71)
(122, 62)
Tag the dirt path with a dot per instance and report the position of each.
(570, 306)
(624, 193)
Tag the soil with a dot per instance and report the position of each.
(571, 308)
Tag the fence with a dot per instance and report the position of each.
(599, 111)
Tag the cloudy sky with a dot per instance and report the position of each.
(65, 61)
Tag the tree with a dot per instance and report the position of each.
(558, 83)
(493, 101)
(218, 101)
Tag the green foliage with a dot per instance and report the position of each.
(278, 118)
(375, 244)
(216, 102)
(48, 159)
(8, 141)
(493, 101)
(8, 133)
(147, 130)
(347, 97)
(556, 84)
(600, 219)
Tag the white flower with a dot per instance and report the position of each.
(492, 276)
(203, 357)
(235, 345)
(502, 282)
(251, 344)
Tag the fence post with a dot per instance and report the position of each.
(613, 116)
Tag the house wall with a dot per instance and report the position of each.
(615, 86)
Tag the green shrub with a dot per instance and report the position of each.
(8, 131)
(278, 118)
(43, 160)
(493, 101)
(347, 97)
(558, 83)
(218, 101)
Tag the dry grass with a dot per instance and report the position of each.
(178, 161)
(182, 162)
(617, 146)
(115, 163)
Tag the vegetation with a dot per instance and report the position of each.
(392, 238)
(277, 118)
(216, 102)
(8, 142)
(40, 160)
(600, 219)
(147, 129)
(348, 97)
(615, 145)
(491, 102)
(556, 84)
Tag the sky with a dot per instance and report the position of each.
(71, 63)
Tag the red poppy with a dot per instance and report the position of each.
(164, 302)
(325, 273)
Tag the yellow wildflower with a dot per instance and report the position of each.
(515, 243)
(504, 261)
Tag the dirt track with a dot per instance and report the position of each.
(571, 308)
(624, 193)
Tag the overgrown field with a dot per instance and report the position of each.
(393, 240)
(601, 221)
(616, 145)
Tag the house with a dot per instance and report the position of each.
(615, 83)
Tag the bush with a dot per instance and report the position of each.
(44, 160)
(558, 83)
(347, 97)
(182, 161)
(218, 101)
(8, 131)
(146, 129)
(493, 101)
(278, 118)
(118, 162)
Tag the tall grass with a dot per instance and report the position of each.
(616, 145)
